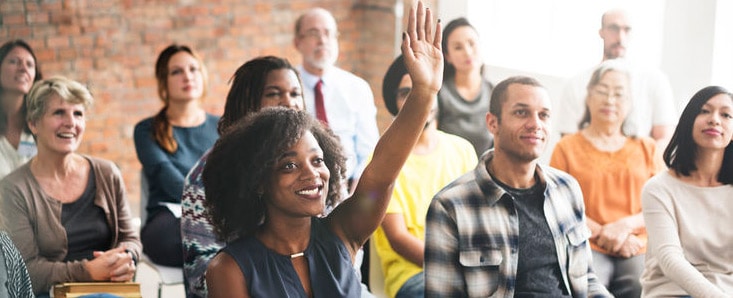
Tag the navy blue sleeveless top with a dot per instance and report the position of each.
(269, 274)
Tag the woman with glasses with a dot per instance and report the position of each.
(611, 169)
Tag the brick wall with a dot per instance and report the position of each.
(112, 45)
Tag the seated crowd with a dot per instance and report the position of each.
(278, 195)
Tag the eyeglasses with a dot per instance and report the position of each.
(317, 34)
(617, 28)
(597, 93)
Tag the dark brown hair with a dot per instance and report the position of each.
(248, 85)
(162, 129)
(4, 51)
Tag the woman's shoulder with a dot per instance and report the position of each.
(570, 141)
(19, 175)
(102, 165)
(147, 122)
(144, 126)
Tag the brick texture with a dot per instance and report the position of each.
(111, 46)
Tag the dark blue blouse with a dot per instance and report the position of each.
(165, 172)
(269, 274)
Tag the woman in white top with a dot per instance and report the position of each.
(18, 71)
(688, 209)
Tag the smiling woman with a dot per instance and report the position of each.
(270, 178)
(67, 213)
(18, 71)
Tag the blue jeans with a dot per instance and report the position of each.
(413, 287)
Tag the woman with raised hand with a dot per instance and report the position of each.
(66, 212)
(259, 83)
(266, 200)
(18, 70)
(168, 145)
(688, 208)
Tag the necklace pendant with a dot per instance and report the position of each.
(296, 255)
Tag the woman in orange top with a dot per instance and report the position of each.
(611, 168)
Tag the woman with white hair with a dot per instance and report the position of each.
(66, 212)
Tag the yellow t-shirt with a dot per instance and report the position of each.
(611, 182)
(420, 179)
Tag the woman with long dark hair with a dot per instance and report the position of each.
(169, 144)
(18, 71)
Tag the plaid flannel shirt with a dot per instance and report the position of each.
(471, 243)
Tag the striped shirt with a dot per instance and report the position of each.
(472, 228)
(14, 278)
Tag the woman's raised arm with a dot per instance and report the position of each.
(357, 218)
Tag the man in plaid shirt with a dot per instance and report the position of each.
(511, 228)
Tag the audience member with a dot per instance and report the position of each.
(437, 159)
(278, 245)
(511, 228)
(14, 279)
(67, 213)
(653, 109)
(340, 99)
(259, 83)
(611, 169)
(18, 70)
(464, 98)
(168, 145)
(688, 208)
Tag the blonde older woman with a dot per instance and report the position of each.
(611, 169)
(67, 213)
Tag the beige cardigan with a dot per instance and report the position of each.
(33, 220)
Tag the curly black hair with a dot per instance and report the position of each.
(242, 161)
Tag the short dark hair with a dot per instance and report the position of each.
(682, 151)
(241, 162)
(499, 96)
(4, 51)
(248, 84)
(391, 83)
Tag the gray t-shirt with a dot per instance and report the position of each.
(464, 118)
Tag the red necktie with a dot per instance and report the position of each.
(320, 107)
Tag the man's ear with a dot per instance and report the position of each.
(492, 123)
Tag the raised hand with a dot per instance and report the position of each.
(421, 47)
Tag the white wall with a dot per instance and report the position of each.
(690, 41)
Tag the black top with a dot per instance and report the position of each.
(86, 225)
(538, 271)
